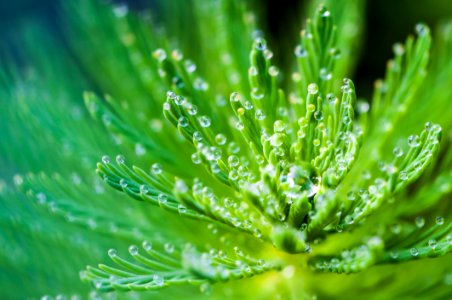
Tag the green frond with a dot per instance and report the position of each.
(405, 73)
(240, 163)
(348, 21)
(163, 265)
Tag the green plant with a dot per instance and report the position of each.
(293, 179)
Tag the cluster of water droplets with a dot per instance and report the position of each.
(353, 260)
(218, 266)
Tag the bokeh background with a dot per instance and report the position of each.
(387, 22)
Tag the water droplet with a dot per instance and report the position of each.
(257, 233)
(318, 115)
(394, 254)
(279, 126)
(325, 13)
(143, 189)
(403, 175)
(147, 246)
(171, 95)
(181, 209)
(18, 180)
(228, 202)
(176, 55)
(214, 153)
(325, 75)
(335, 53)
(162, 198)
(346, 89)
(414, 252)
(346, 81)
(300, 51)
(252, 71)
(428, 126)
(179, 100)
(362, 107)
(358, 211)
(256, 94)
(282, 217)
(192, 109)
(112, 253)
(397, 152)
(302, 179)
(156, 169)
(233, 161)
(260, 159)
(41, 198)
(439, 221)
(279, 151)
(277, 139)
(123, 183)
(183, 122)
(419, 221)
(233, 175)
(189, 66)
(235, 97)
(158, 280)
(432, 244)
(273, 71)
(436, 128)
(260, 115)
(282, 111)
(375, 242)
(268, 54)
(421, 29)
(120, 10)
(248, 105)
(260, 44)
(313, 88)
(159, 54)
(351, 196)
(133, 250)
(391, 169)
(296, 77)
(139, 150)
(196, 158)
(413, 141)
(220, 139)
(120, 159)
(398, 49)
(346, 120)
(303, 227)
(169, 248)
(233, 148)
(197, 136)
(200, 84)
(306, 34)
(215, 168)
(106, 159)
(349, 219)
(204, 121)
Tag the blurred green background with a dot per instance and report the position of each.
(387, 22)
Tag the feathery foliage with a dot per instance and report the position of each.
(230, 171)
